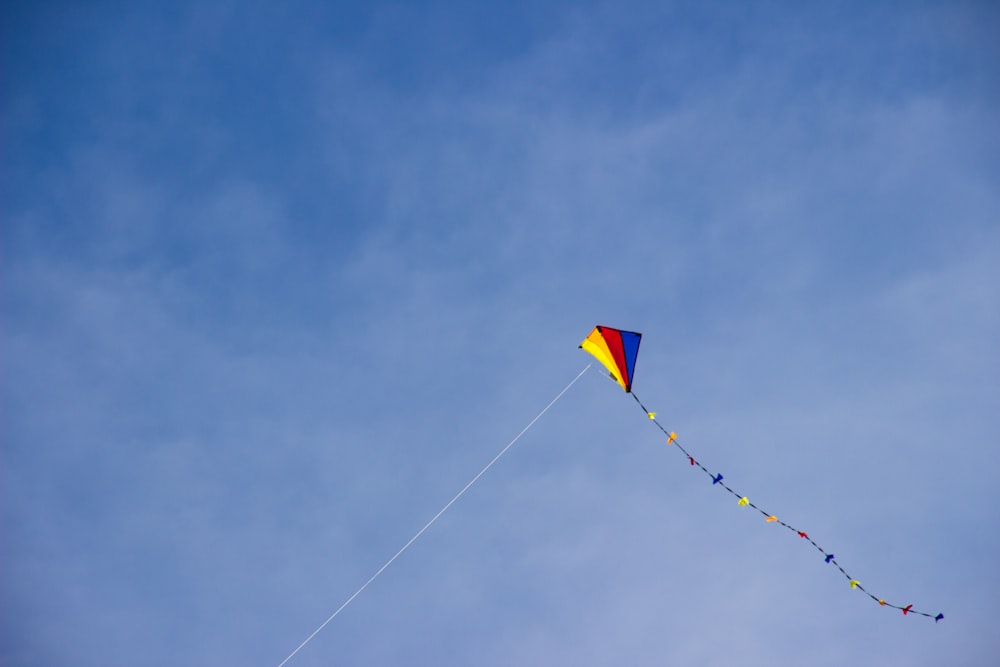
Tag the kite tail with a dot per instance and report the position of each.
(743, 501)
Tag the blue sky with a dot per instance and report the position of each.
(278, 281)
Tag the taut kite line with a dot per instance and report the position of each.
(617, 351)
(433, 519)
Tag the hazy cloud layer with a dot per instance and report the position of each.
(277, 282)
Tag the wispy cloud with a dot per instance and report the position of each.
(277, 282)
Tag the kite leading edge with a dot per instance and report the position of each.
(617, 351)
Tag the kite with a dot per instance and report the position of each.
(617, 351)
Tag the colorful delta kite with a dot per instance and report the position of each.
(617, 351)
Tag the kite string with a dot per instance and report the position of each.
(435, 518)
